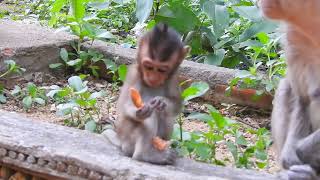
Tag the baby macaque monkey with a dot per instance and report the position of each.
(154, 76)
(295, 118)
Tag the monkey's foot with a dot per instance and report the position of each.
(301, 172)
(159, 143)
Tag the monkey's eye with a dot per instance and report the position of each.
(148, 67)
(162, 70)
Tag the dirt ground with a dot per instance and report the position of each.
(254, 118)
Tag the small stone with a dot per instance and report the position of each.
(53, 108)
(107, 178)
(38, 77)
(52, 165)
(42, 162)
(62, 167)
(3, 152)
(72, 170)
(83, 172)
(94, 175)
(12, 154)
(31, 159)
(21, 157)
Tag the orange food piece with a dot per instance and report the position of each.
(159, 143)
(136, 98)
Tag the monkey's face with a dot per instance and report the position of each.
(155, 73)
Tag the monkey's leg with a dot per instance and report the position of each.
(144, 149)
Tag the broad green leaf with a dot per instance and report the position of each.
(91, 126)
(261, 165)
(81, 102)
(241, 140)
(249, 12)
(200, 116)
(99, 5)
(263, 26)
(203, 150)
(52, 93)
(27, 102)
(209, 8)
(74, 62)
(64, 54)
(122, 71)
(143, 9)
(97, 95)
(195, 90)
(55, 65)
(65, 109)
(57, 5)
(16, 91)
(111, 65)
(32, 89)
(233, 149)
(3, 99)
(76, 83)
(104, 34)
(215, 58)
(261, 154)
(77, 8)
(221, 20)
(40, 101)
(175, 14)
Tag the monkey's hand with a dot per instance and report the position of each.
(158, 103)
(144, 112)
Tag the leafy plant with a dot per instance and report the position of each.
(30, 95)
(10, 68)
(224, 132)
(77, 104)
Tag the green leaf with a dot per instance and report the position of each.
(32, 89)
(233, 149)
(260, 154)
(175, 14)
(215, 58)
(64, 54)
(209, 8)
(195, 90)
(203, 150)
(99, 5)
(111, 65)
(143, 9)
(263, 26)
(104, 34)
(27, 102)
(241, 140)
(76, 83)
(40, 101)
(57, 6)
(261, 165)
(122, 71)
(97, 95)
(77, 9)
(55, 65)
(249, 12)
(3, 99)
(16, 91)
(90, 126)
(221, 20)
(74, 62)
(200, 116)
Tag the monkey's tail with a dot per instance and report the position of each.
(112, 137)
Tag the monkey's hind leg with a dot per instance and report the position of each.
(145, 151)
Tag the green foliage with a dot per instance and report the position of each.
(10, 68)
(77, 104)
(30, 95)
(223, 132)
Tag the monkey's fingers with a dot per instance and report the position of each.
(144, 112)
(159, 143)
(301, 172)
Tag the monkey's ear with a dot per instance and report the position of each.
(185, 51)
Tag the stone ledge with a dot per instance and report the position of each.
(69, 153)
(34, 47)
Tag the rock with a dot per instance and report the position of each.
(84, 155)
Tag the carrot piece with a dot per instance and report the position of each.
(159, 143)
(136, 98)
